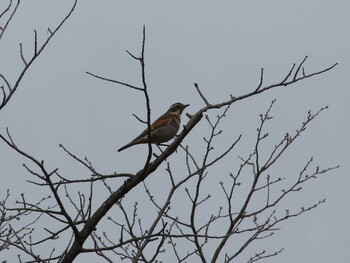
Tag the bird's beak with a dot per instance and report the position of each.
(186, 105)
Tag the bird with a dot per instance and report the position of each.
(163, 129)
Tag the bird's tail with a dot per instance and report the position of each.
(126, 146)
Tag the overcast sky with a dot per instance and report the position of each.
(221, 45)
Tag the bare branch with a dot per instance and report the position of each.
(13, 88)
(298, 69)
(140, 120)
(35, 43)
(46, 174)
(89, 166)
(261, 79)
(201, 94)
(21, 53)
(131, 55)
(4, 27)
(114, 81)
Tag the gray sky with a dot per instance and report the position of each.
(221, 45)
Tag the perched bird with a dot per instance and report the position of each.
(163, 129)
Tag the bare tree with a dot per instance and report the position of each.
(69, 218)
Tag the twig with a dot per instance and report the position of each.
(300, 65)
(201, 94)
(261, 79)
(21, 53)
(140, 120)
(115, 81)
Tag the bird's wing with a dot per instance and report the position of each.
(161, 121)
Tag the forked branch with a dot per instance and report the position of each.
(11, 88)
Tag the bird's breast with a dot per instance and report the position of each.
(168, 131)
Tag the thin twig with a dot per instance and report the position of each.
(114, 81)
(21, 53)
(201, 94)
(140, 120)
(300, 65)
(261, 79)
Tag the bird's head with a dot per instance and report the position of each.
(177, 108)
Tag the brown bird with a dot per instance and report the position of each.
(163, 129)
